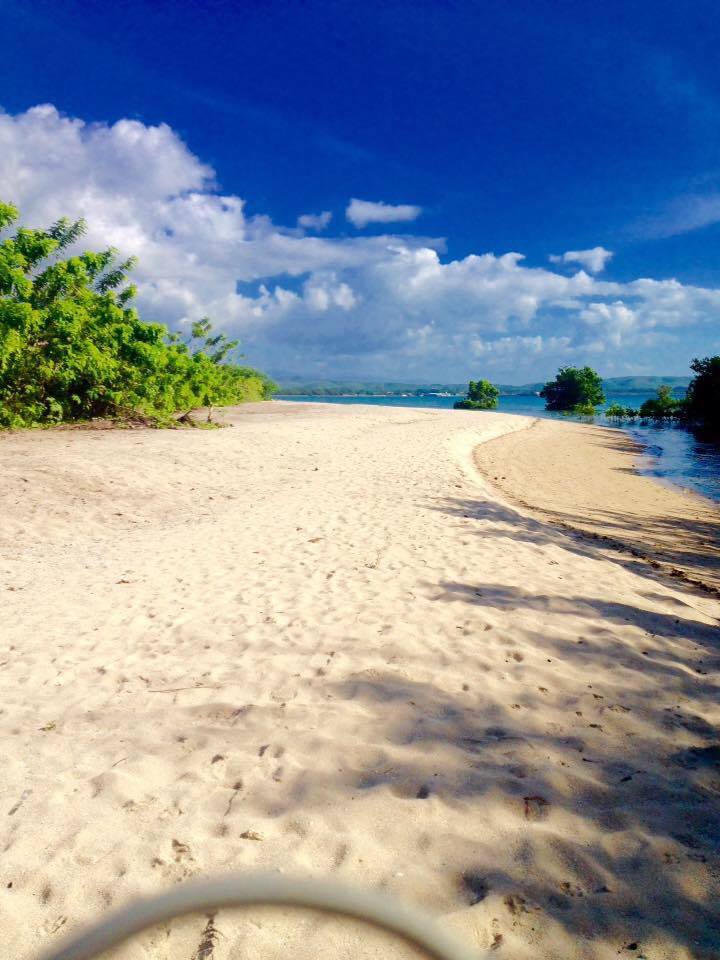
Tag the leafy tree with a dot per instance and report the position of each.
(72, 347)
(664, 406)
(216, 346)
(482, 395)
(703, 396)
(574, 389)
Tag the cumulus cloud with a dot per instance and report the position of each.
(593, 260)
(616, 319)
(362, 212)
(383, 305)
(314, 221)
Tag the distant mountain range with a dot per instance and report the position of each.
(297, 386)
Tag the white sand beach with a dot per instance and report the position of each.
(320, 641)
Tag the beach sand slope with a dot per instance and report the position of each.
(318, 642)
(582, 477)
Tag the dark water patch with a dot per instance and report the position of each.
(685, 456)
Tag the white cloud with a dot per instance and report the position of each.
(682, 215)
(321, 293)
(593, 260)
(314, 221)
(617, 319)
(377, 305)
(509, 346)
(362, 212)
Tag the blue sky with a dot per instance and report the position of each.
(494, 128)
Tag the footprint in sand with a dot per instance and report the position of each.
(535, 808)
(218, 766)
(474, 886)
(516, 904)
(497, 937)
(181, 851)
(52, 926)
(183, 858)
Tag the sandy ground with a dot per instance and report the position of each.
(319, 642)
(602, 496)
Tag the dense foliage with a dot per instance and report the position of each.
(574, 389)
(701, 406)
(72, 347)
(481, 395)
(703, 396)
(663, 406)
(616, 411)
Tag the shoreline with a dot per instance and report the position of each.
(680, 465)
(592, 487)
(319, 642)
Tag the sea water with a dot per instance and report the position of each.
(672, 453)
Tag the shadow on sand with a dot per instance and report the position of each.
(689, 552)
(612, 799)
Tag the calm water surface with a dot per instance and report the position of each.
(672, 453)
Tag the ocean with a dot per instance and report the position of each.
(674, 454)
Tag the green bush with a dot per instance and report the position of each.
(703, 396)
(582, 410)
(482, 395)
(72, 347)
(664, 406)
(575, 390)
(616, 411)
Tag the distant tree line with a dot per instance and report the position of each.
(298, 386)
(354, 388)
(700, 405)
(579, 390)
(72, 346)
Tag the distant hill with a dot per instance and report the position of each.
(645, 384)
(297, 386)
(339, 388)
(612, 385)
